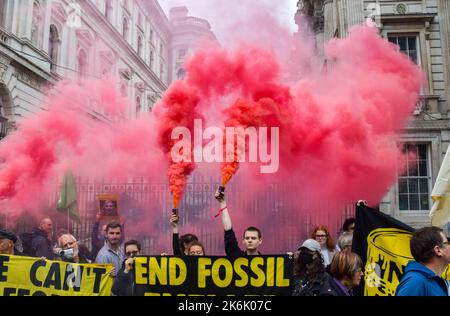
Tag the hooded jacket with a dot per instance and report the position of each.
(418, 280)
(41, 246)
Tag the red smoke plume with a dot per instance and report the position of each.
(337, 130)
(180, 104)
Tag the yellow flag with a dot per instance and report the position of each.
(440, 212)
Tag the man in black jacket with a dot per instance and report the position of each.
(180, 244)
(41, 242)
(252, 238)
(124, 281)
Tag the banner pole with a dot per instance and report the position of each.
(68, 231)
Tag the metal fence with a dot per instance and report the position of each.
(146, 208)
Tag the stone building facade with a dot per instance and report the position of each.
(421, 28)
(188, 33)
(44, 41)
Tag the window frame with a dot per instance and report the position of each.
(418, 45)
(429, 178)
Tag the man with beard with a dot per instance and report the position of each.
(70, 251)
(111, 252)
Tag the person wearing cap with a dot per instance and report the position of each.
(7, 242)
(310, 277)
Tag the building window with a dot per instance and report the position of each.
(181, 74)
(161, 49)
(53, 47)
(151, 36)
(152, 58)
(139, 46)
(82, 66)
(181, 53)
(161, 70)
(3, 13)
(138, 106)
(108, 10)
(408, 45)
(413, 185)
(125, 28)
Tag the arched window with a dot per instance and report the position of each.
(126, 28)
(53, 47)
(82, 66)
(108, 10)
(138, 106)
(139, 46)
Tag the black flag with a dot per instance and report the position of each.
(382, 242)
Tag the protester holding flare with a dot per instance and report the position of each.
(180, 245)
(252, 238)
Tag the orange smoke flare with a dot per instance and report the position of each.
(175, 201)
(228, 171)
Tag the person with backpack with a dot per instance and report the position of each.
(39, 242)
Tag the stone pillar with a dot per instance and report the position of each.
(329, 20)
(354, 12)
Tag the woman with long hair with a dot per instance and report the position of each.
(310, 277)
(327, 245)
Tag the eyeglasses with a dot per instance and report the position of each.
(132, 253)
(196, 253)
(321, 236)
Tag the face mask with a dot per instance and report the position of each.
(68, 253)
(306, 257)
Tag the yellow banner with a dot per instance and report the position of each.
(26, 276)
(388, 253)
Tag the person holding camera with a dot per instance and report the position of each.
(124, 282)
(70, 251)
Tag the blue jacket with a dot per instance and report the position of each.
(418, 280)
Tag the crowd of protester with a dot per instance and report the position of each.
(321, 267)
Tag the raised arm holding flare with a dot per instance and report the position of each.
(252, 236)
